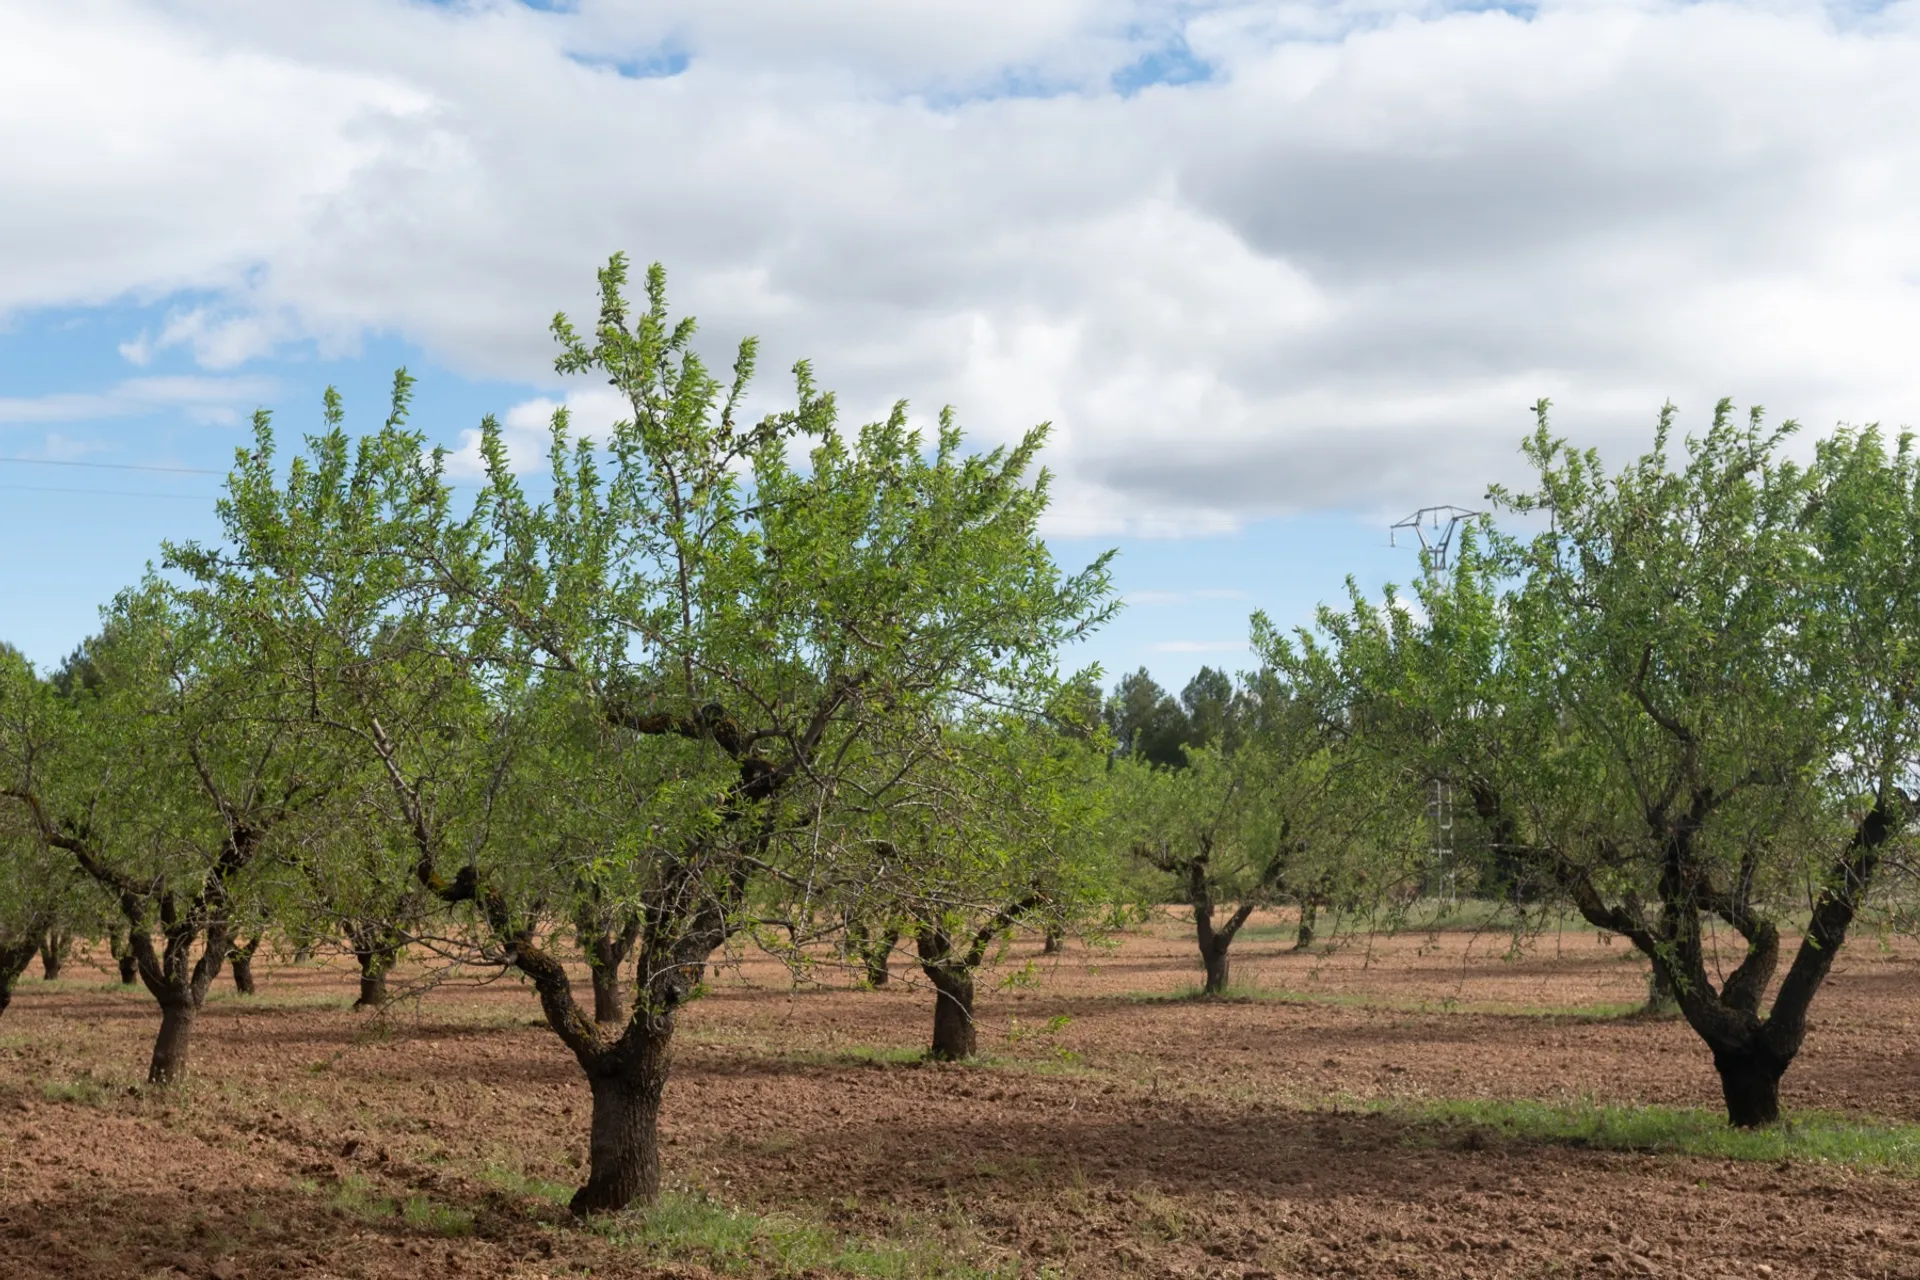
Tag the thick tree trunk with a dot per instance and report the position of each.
(170, 1047)
(1750, 1083)
(122, 953)
(1661, 1000)
(623, 1150)
(54, 947)
(953, 1026)
(14, 959)
(609, 1003)
(1309, 916)
(241, 958)
(1219, 970)
(375, 959)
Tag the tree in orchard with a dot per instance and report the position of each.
(1003, 825)
(657, 677)
(164, 781)
(1687, 701)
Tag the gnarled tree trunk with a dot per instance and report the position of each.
(1309, 916)
(179, 989)
(607, 952)
(623, 1149)
(15, 955)
(241, 958)
(55, 946)
(1214, 943)
(123, 956)
(376, 948)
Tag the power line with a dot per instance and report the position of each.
(114, 466)
(109, 493)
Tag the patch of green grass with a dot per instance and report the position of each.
(356, 1196)
(443, 1220)
(1255, 993)
(83, 1092)
(1810, 1136)
(521, 1183)
(692, 1226)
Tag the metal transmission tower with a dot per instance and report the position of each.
(1436, 527)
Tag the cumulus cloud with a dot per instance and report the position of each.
(1330, 270)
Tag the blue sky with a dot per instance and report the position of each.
(1276, 274)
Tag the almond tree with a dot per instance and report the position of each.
(164, 782)
(1689, 700)
(643, 688)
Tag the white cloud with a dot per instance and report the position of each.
(202, 399)
(1334, 275)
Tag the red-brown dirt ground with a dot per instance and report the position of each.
(1109, 1130)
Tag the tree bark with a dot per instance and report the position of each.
(623, 1149)
(1053, 941)
(1309, 916)
(609, 1002)
(376, 950)
(303, 955)
(1661, 1000)
(123, 955)
(15, 956)
(54, 947)
(170, 1047)
(1750, 1083)
(241, 958)
(875, 954)
(954, 1037)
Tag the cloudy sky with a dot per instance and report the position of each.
(1277, 272)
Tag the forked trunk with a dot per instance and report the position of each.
(241, 958)
(1750, 1083)
(375, 961)
(54, 947)
(623, 1151)
(170, 1047)
(953, 1025)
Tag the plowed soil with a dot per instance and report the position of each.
(1112, 1127)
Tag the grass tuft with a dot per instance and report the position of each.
(694, 1227)
(1811, 1136)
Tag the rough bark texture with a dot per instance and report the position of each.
(623, 1148)
(55, 945)
(607, 951)
(1751, 1051)
(954, 1038)
(15, 956)
(1214, 942)
(376, 949)
(171, 1046)
(875, 952)
(241, 958)
(123, 956)
(1661, 1000)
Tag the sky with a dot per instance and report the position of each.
(1277, 273)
